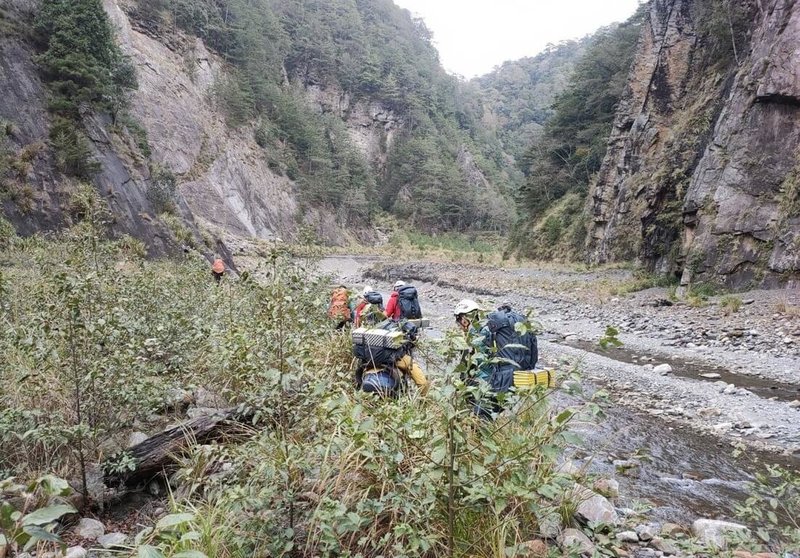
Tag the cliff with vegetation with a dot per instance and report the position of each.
(700, 175)
(264, 119)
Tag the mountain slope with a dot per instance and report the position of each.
(261, 118)
(518, 95)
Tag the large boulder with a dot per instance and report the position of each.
(594, 508)
(90, 529)
(573, 538)
(713, 531)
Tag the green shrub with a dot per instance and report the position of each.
(161, 189)
(73, 153)
(730, 304)
(7, 233)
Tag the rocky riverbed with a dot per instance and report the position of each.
(688, 385)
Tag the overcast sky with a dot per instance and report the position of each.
(473, 36)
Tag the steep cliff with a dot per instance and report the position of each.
(271, 119)
(700, 177)
(37, 198)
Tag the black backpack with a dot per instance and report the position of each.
(374, 297)
(522, 349)
(409, 303)
(376, 350)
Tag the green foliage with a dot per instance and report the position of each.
(94, 339)
(42, 506)
(84, 67)
(724, 26)
(730, 304)
(72, 149)
(571, 146)
(138, 132)
(774, 505)
(7, 233)
(521, 93)
(371, 51)
(609, 338)
(161, 189)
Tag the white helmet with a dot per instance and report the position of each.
(398, 284)
(465, 307)
(367, 290)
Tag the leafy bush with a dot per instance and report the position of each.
(774, 505)
(32, 525)
(72, 151)
(7, 233)
(161, 189)
(97, 337)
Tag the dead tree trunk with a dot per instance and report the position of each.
(157, 455)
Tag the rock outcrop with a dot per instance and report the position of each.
(44, 199)
(702, 170)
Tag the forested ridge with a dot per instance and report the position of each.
(367, 50)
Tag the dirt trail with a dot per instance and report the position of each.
(671, 434)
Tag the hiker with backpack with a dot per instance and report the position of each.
(476, 366)
(502, 354)
(403, 303)
(385, 359)
(339, 307)
(217, 269)
(369, 310)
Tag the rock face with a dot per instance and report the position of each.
(703, 167)
(223, 176)
(122, 181)
(90, 529)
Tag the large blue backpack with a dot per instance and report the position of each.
(409, 303)
(521, 350)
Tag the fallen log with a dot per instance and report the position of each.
(157, 455)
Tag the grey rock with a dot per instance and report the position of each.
(113, 540)
(646, 532)
(712, 531)
(710, 375)
(549, 525)
(627, 537)
(671, 530)
(569, 468)
(76, 552)
(662, 369)
(573, 538)
(136, 438)
(594, 508)
(195, 412)
(206, 398)
(607, 487)
(90, 529)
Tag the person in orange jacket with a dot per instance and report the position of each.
(218, 269)
(393, 306)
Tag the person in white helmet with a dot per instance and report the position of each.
(369, 309)
(476, 360)
(392, 307)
